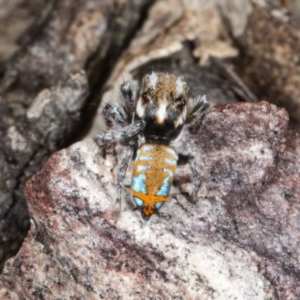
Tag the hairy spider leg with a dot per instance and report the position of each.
(120, 135)
(130, 92)
(198, 113)
(156, 111)
(127, 155)
(184, 159)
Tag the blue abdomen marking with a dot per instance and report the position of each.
(147, 147)
(171, 161)
(145, 157)
(143, 168)
(138, 202)
(138, 184)
(164, 189)
(158, 205)
(170, 172)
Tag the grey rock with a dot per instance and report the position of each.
(239, 241)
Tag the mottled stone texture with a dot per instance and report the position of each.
(24, 144)
(44, 91)
(239, 241)
(270, 62)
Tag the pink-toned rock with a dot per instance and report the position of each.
(239, 241)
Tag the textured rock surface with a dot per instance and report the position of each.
(270, 64)
(25, 143)
(44, 99)
(15, 16)
(239, 241)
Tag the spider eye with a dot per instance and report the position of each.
(147, 98)
(180, 101)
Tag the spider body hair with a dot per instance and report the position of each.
(146, 122)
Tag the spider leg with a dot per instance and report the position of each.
(129, 91)
(115, 114)
(184, 159)
(199, 110)
(121, 134)
(196, 117)
(121, 114)
(127, 155)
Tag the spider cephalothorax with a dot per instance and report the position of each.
(147, 121)
(162, 105)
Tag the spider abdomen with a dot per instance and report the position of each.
(152, 178)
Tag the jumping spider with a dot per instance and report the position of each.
(146, 122)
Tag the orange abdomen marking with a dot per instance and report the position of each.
(153, 175)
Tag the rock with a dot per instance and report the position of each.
(239, 241)
(44, 102)
(51, 117)
(269, 64)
